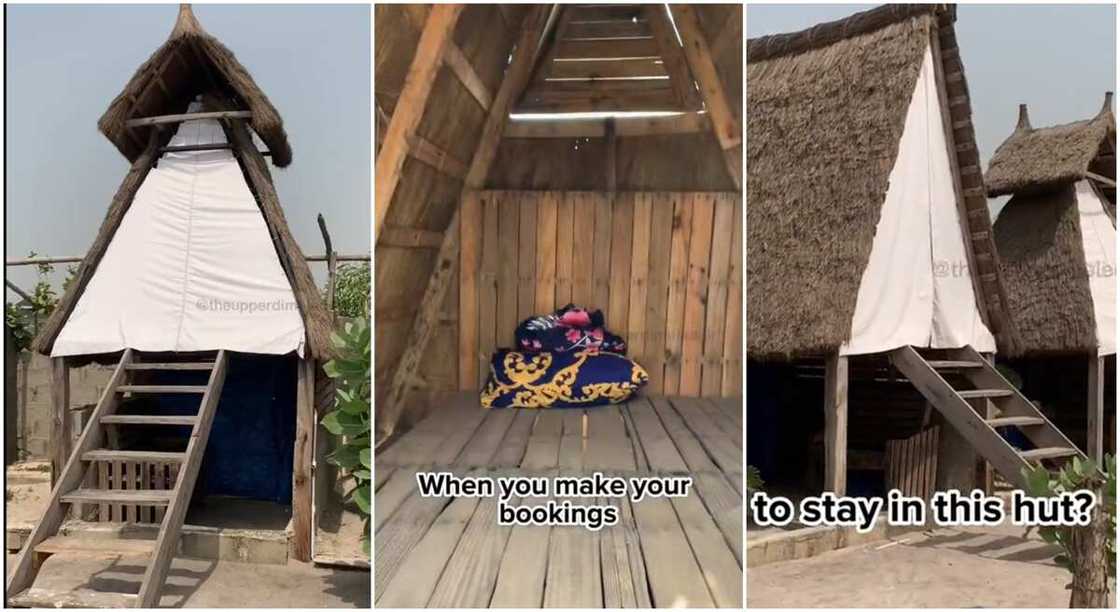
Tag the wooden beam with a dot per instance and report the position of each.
(513, 84)
(1095, 434)
(424, 150)
(612, 157)
(411, 104)
(409, 238)
(431, 305)
(836, 423)
(1100, 179)
(553, 31)
(332, 263)
(672, 56)
(302, 527)
(684, 123)
(423, 325)
(728, 35)
(459, 64)
(699, 56)
(60, 435)
(163, 119)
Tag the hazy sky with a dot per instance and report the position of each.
(1059, 60)
(66, 63)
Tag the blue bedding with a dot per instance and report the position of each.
(572, 379)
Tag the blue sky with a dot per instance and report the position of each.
(66, 63)
(1058, 59)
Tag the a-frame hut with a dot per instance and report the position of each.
(530, 156)
(196, 289)
(1056, 239)
(871, 271)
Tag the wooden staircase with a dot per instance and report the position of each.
(73, 488)
(976, 413)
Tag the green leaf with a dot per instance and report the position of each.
(366, 456)
(361, 497)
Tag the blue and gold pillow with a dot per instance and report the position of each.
(560, 380)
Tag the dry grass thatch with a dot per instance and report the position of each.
(191, 62)
(826, 112)
(1037, 160)
(1043, 264)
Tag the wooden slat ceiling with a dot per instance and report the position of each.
(608, 58)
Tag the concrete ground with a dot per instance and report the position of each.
(196, 583)
(965, 567)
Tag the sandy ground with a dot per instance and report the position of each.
(28, 485)
(196, 583)
(983, 567)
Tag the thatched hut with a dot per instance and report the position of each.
(871, 271)
(194, 287)
(1056, 239)
(530, 156)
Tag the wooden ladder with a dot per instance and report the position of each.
(69, 491)
(993, 403)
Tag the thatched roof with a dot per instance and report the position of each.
(316, 318)
(1033, 160)
(827, 108)
(1038, 236)
(190, 63)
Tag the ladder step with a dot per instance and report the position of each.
(99, 547)
(170, 366)
(127, 455)
(161, 389)
(953, 365)
(1016, 421)
(78, 598)
(119, 496)
(982, 393)
(1055, 452)
(147, 419)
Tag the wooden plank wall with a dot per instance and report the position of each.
(662, 266)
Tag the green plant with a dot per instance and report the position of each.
(1088, 551)
(350, 419)
(24, 317)
(754, 479)
(351, 291)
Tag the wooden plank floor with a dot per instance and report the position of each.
(665, 552)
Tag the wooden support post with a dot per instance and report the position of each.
(410, 105)
(302, 526)
(612, 156)
(1095, 435)
(699, 56)
(672, 56)
(836, 423)
(331, 262)
(60, 417)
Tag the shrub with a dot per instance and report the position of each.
(350, 419)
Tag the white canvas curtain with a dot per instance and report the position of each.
(917, 289)
(1098, 236)
(191, 268)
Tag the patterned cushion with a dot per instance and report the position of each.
(560, 380)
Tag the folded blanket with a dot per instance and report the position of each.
(573, 379)
(568, 329)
